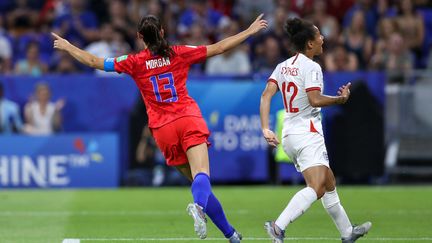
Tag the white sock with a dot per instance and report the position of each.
(331, 203)
(301, 201)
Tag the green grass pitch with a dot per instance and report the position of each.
(398, 214)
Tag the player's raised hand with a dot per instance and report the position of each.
(270, 137)
(258, 24)
(59, 42)
(344, 92)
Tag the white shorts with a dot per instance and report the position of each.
(306, 150)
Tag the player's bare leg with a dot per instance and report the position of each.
(185, 171)
(316, 178)
(198, 159)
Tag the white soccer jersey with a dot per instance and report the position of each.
(295, 77)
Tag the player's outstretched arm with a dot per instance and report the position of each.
(266, 98)
(316, 99)
(80, 55)
(232, 41)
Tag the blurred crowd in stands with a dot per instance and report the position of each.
(392, 35)
(41, 115)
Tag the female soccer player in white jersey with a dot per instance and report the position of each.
(300, 81)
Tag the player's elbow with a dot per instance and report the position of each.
(92, 62)
(222, 49)
(315, 98)
(263, 94)
(265, 99)
(218, 51)
(314, 103)
(96, 63)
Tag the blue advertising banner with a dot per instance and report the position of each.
(72, 160)
(231, 109)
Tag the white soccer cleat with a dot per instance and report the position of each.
(235, 238)
(276, 234)
(357, 232)
(200, 221)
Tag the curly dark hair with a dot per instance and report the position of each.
(299, 32)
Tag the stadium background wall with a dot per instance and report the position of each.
(230, 107)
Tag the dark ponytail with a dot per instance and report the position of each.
(299, 32)
(150, 28)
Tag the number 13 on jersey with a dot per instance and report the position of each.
(162, 78)
(292, 89)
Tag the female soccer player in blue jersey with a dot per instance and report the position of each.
(175, 120)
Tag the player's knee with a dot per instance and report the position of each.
(319, 188)
(320, 193)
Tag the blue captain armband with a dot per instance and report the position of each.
(109, 65)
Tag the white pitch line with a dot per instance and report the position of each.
(188, 239)
(401, 239)
(391, 239)
(71, 241)
(99, 213)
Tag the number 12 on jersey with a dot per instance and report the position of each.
(292, 89)
(169, 86)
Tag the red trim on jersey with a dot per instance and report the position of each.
(295, 59)
(312, 127)
(284, 96)
(273, 81)
(313, 88)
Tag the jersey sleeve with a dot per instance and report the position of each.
(122, 64)
(314, 78)
(274, 76)
(192, 54)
